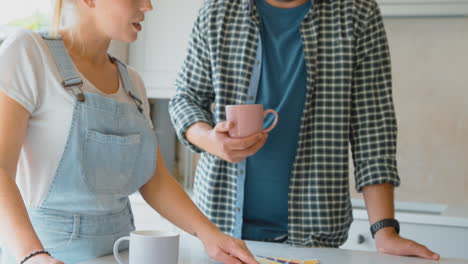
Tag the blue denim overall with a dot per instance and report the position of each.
(110, 153)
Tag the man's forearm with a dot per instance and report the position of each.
(197, 134)
(379, 203)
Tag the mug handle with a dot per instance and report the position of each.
(116, 248)
(265, 113)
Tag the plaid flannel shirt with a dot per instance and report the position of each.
(348, 102)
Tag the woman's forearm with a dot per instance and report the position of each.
(167, 197)
(176, 206)
(16, 230)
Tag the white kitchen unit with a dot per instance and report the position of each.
(158, 55)
(442, 228)
(423, 8)
(161, 47)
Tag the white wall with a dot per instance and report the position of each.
(161, 47)
(430, 68)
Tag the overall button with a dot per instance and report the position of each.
(80, 97)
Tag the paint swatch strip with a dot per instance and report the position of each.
(270, 260)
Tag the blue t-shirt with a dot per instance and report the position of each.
(282, 87)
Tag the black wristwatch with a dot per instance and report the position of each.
(389, 222)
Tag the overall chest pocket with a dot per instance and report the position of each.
(109, 161)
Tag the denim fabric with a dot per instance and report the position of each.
(110, 153)
(73, 238)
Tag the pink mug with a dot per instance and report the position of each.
(248, 119)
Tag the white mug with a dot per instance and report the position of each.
(150, 246)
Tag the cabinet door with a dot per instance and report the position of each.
(426, 8)
(359, 237)
(161, 47)
(448, 241)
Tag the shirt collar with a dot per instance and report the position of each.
(250, 3)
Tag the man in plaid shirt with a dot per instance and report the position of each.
(324, 66)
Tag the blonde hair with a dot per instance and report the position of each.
(64, 15)
(56, 22)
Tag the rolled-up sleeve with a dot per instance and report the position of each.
(373, 134)
(194, 87)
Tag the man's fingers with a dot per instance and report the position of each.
(237, 149)
(257, 146)
(424, 252)
(223, 126)
(238, 155)
(244, 143)
(410, 248)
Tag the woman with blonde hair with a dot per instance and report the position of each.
(76, 140)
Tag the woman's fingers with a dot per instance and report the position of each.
(240, 251)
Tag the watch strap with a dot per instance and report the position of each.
(388, 222)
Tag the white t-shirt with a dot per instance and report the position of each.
(29, 75)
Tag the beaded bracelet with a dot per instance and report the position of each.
(34, 254)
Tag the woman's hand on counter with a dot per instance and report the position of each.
(226, 249)
(389, 242)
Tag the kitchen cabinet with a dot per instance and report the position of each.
(161, 47)
(424, 8)
(158, 55)
(441, 228)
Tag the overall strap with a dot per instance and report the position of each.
(66, 67)
(128, 84)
